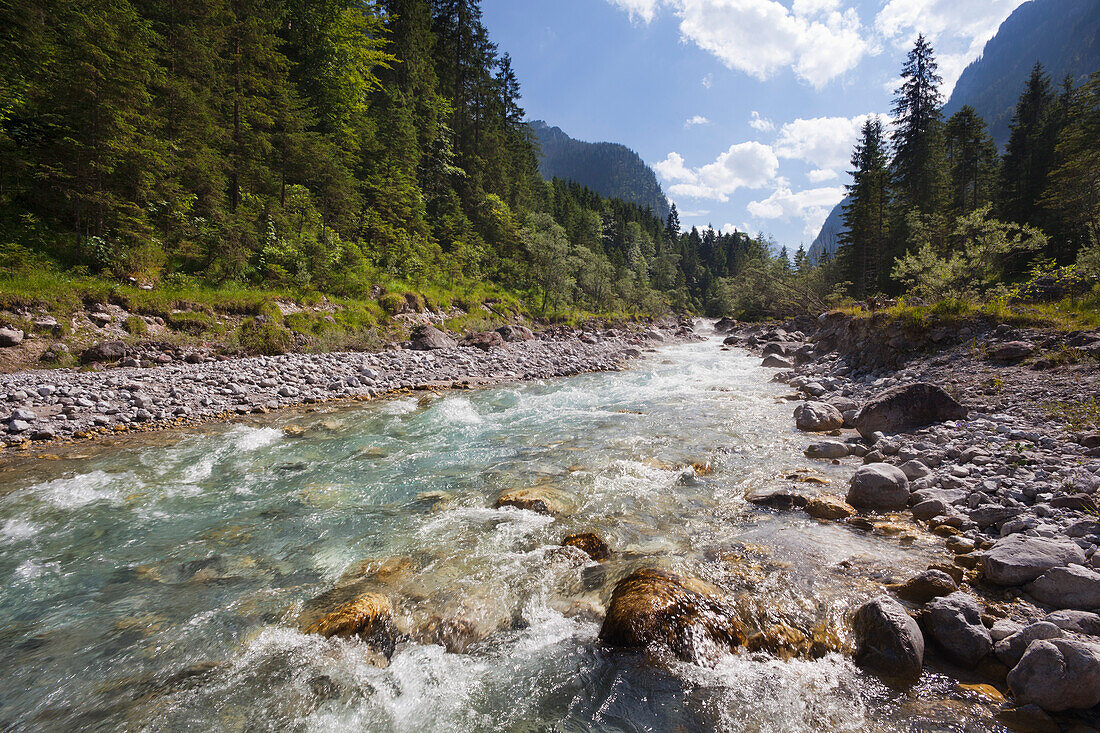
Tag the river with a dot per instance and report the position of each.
(155, 584)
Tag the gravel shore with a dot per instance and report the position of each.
(63, 405)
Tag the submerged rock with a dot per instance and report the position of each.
(817, 417)
(1019, 559)
(1058, 674)
(591, 543)
(827, 449)
(829, 507)
(653, 607)
(368, 616)
(879, 487)
(538, 499)
(905, 408)
(889, 642)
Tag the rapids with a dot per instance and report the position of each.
(154, 584)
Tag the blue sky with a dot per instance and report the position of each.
(747, 109)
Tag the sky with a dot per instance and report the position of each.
(747, 109)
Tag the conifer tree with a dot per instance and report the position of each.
(972, 161)
(1029, 155)
(919, 166)
(863, 257)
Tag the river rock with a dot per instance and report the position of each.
(955, 623)
(1079, 622)
(368, 615)
(589, 542)
(925, 586)
(905, 408)
(10, 337)
(889, 642)
(538, 499)
(817, 417)
(652, 607)
(827, 449)
(776, 362)
(828, 507)
(483, 341)
(914, 470)
(1058, 674)
(1072, 586)
(513, 332)
(1019, 559)
(879, 487)
(430, 338)
(107, 351)
(1012, 647)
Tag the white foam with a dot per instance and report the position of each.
(17, 530)
(460, 410)
(86, 488)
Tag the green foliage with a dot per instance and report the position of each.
(265, 337)
(966, 260)
(136, 326)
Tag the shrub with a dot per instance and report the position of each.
(192, 323)
(264, 337)
(392, 303)
(136, 326)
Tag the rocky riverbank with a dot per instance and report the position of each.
(42, 406)
(988, 442)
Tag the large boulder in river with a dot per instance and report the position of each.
(905, 408)
(1073, 586)
(652, 607)
(1011, 648)
(107, 351)
(513, 332)
(817, 417)
(349, 611)
(889, 642)
(429, 338)
(879, 487)
(954, 622)
(1019, 559)
(1058, 674)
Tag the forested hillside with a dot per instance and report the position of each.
(610, 169)
(331, 146)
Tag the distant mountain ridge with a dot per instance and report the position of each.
(610, 169)
(1064, 35)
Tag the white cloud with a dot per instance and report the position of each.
(812, 206)
(821, 175)
(707, 81)
(825, 142)
(759, 37)
(760, 123)
(958, 30)
(696, 120)
(640, 10)
(744, 165)
(688, 214)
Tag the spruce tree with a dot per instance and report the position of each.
(972, 161)
(1029, 155)
(863, 256)
(919, 165)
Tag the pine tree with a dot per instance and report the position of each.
(972, 161)
(1073, 193)
(863, 254)
(1029, 155)
(919, 166)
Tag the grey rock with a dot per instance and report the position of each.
(827, 449)
(776, 362)
(1002, 629)
(10, 337)
(106, 351)
(928, 508)
(888, 640)
(1019, 559)
(817, 417)
(954, 622)
(1078, 622)
(1057, 675)
(513, 332)
(430, 338)
(1011, 648)
(1073, 586)
(914, 470)
(1012, 351)
(907, 407)
(879, 487)
(990, 515)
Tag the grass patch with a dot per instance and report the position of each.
(1078, 415)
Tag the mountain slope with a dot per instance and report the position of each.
(610, 169)
(1064, 35)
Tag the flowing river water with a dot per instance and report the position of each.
(155, 584)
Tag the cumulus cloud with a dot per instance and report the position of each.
(825, 142)
(744, 165)
(815, 38)
(821, 175)
(760, 123)
(812, 206)
(707, 81)
(959, 30)
(696, 120)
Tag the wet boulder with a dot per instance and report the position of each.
(827, 449)
(538, 499)
(1011, 648)
(352, 611)
(513, 332)
(828, 507)
(1058, 674)
(888, 640)
(817, 417)
(484, 341)
(954, 622)
(1019, 559)
(104, 352)
(925, 586)
(879, 487)
(1073, 587)
(906, 408)
(590, 543)
(655, 608)
(430, 338)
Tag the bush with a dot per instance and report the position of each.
(191, 323)
(264, 337)
(136, 326)
(392, 303)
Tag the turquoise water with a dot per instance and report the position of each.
(155, 584)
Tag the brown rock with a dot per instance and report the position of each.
(592, 544)
(829, 507)
(538, 499)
